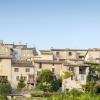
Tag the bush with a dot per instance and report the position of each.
(45, 86)
(37, 94)
(93, 79)
(66, 75)
(48, 81)
(73, 96)
(55, 85)
(97, 89)
(5, 88)
(75, 92)
(46, 76)
(47, 94)
(21, 83)
(3, 97)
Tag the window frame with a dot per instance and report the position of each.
(70, 53)
(53, 70)
(16, 69)
(17, 78)
(27, 70)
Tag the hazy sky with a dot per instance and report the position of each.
(51, 23)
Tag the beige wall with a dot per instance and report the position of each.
(4, 51)
(25, 54)
(48, 66)
(43, 57)
(62, 54)
(22, 71)
(46, 57)
(92, 55)
(65, 54)
(77, 82)
(9, 45)
(5, 68)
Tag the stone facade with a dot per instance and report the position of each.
(26, 69)
(17, 60)
(78, 79)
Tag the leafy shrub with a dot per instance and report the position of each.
(48, 81)
(21, 83)
(75, 92)
(46, 76)
(97, 89)
(55, 85)
(77, 96)
(5, 88)
(37, 94)
(66, 75)
(3, 97)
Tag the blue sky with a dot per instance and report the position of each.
(51, 23)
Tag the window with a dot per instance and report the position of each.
(72, 77)
(0, 60)
(40, 65)
(80, 57)
(82, 77)
(17, 78)
(82, 70)
(3, 79)
(70, 53)
(38, 73)
(53, 64)
(25, 78)
(27, 69)
(57, 54)
(16, 69)
(71, 69)
(53, 70)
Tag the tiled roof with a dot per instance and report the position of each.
(44, 50)
(22, 64)
(95, 63)
(84, 65)
(8, 44)
(68, 49)
(27, 48)
(48, 61)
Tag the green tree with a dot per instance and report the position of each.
(92, 79)
(5, 86)
(46, 76)
(3, 97)
(97, 90)
(21, 83)
(45, 86)
(48, 81)
(66, 75)
(56, 84)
